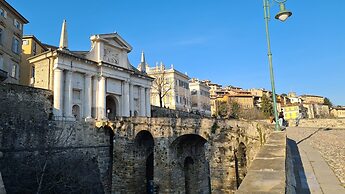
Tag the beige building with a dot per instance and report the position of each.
(246, 101)
(170, 88)
(258, 94)
(316, 110)
(11, 32)
(338, 112)
(312, 99)
(31, 47)
(99, 84)
(200, 97)
(215, 91)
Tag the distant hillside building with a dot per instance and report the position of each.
(170, 84)
(200, 97)
(312, 99)
(215, 91)
(338, 112)
(11, 33)
(97, 84)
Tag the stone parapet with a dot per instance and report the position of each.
(324, 123)
(267, 172)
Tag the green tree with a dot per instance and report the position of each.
(266, 106)
(222, 109)
(328, 102)
(235, 109)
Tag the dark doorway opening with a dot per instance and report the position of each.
(188, 174)
(149, 174)
(110, 108)
(240, 163)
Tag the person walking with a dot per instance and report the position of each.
(281, 118)
(298, 117)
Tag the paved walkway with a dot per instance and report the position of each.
(313, 175)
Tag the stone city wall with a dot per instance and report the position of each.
(172, 155)
(64, 154)
(169, 113)
(219, 150)
(268, 171)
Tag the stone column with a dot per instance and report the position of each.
(142, 102)
(94, 96)
(147, 101)
(131, 100)
(87, 97)
(101, 115)
(58, 93)
(125, 99)
(68, 96)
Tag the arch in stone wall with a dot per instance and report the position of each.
(112, 107)
(144, 147)
(240, 155)
(190, 172)
(76, 112)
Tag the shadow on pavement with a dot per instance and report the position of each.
(309, 136)
(300, 176)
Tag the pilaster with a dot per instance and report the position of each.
(58, 93)
(87, 97)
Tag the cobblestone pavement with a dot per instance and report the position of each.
(329, 142)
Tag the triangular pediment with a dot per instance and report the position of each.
(114, 39)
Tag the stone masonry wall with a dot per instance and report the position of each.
(69, 156)
(210, 143)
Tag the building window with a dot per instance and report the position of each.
(34, 48)
(32, 72)
(25, 42)
(17, 24)
(1, 35)
(14, 71)
(15, 45)
(3, 13)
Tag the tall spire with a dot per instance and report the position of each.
(142, 65)
(63, 38)
(142, 61)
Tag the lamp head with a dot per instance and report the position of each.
(283, 13)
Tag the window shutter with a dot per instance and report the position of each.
(5, 14)
(20, 26)
(14, 22)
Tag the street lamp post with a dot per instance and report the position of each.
(282, 16)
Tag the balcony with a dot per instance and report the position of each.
(3, 75)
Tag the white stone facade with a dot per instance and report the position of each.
(100, 84)
(175, 86)
(200, 96)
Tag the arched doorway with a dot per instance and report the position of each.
(189, 164)
(144, 144)
(149, 173)
(240, 163)
(111, 107)
(76, 112)
(188, 174)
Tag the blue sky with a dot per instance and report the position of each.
(223, 41)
